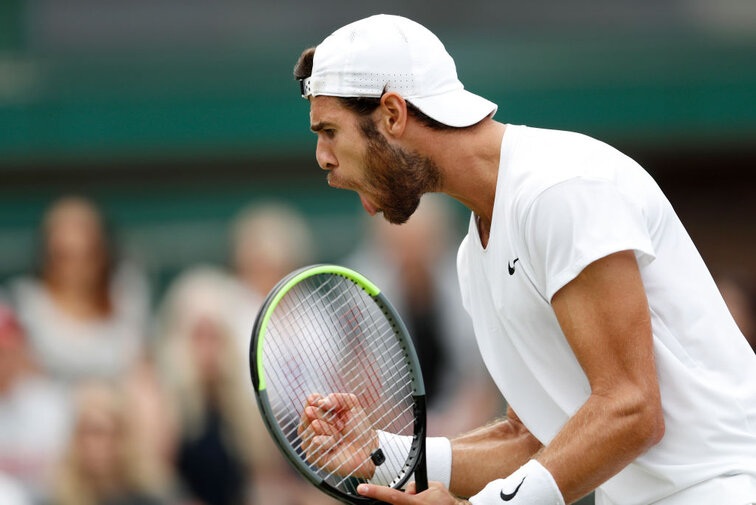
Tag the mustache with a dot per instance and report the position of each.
(334, 180)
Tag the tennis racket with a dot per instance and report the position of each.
(338, 382)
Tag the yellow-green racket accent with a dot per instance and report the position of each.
(358, 278)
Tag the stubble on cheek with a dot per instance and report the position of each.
(398, 178)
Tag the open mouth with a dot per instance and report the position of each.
(371, 208)
(332, 181)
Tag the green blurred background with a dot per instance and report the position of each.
(172, 115)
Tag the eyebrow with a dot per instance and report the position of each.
(319, 126)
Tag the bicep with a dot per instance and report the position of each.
(604, 316)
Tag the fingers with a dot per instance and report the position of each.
(436, 494)
(412, 486)
(314, 410)
(327, 454)
(304, 420)
(318, 422)
(386, 494)
(326, 409)
(317, 449)
(339, 402)
(318, 427)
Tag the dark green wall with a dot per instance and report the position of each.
(189, 106)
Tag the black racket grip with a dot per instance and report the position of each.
(421, 470)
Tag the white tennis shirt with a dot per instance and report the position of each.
(563, 201)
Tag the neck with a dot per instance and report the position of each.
(469, 164)
(82, 302)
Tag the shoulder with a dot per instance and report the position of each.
(542, 159)
(24, 288)
(30, 299)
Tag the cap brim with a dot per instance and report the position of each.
(457, 108)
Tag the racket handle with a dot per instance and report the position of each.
(421, 468)
(421, 471)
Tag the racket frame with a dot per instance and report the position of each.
(416, 457)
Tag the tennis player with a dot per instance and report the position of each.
(593, 310)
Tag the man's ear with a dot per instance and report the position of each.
(393, 114)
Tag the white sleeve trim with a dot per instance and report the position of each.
(643, 256)
(577, 222)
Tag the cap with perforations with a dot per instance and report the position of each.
(391, 53)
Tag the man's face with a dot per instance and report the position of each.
(388, 179)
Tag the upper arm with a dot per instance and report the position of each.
(604, 315)
(586, 239)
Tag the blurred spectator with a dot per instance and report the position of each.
(85, 314)
(34, 414)
(103, 464)
(268, 241)
(222, 436)
(414, 264)
(739, 296)
(152, 421)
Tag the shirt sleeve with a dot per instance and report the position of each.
(576, 222)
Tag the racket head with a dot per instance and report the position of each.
(291, 357)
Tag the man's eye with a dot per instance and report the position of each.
(330, 132)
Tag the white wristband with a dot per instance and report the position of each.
(438, 457)
(531, 484)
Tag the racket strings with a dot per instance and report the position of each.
(291, 426)
(358, 359)
(331, 412)
(365, 445)
(296, 376)
(329, 336)
(316, 462)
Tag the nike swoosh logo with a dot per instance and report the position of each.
(507, 497)
(512, 266)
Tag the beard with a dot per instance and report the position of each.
(398, 178)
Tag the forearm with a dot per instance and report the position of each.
(489, 453)
(605, 317)
(604, 436)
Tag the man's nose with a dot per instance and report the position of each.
(325, 157)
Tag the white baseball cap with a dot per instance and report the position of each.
(392, 53)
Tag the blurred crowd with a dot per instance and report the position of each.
(108, 397)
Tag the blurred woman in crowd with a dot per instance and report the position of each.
(34, 414)
(412, 265)
(85, 313)
(222, 437)
(268, 241)
(104, 464)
